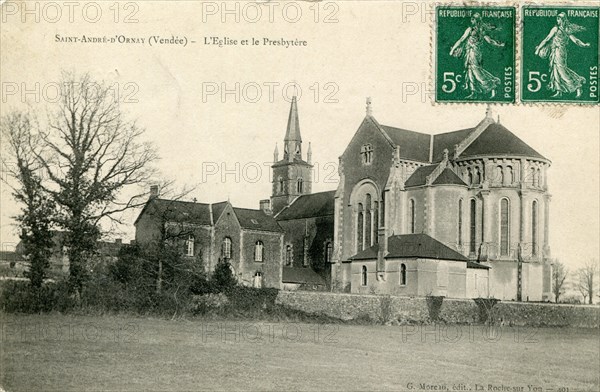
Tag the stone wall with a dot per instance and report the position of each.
(458, 311)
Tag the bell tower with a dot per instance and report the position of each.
(292, 176)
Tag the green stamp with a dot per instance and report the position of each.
(560, 54)
(475, 54)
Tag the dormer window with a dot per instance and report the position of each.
(366, 152)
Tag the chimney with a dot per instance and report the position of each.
(265, 206)
(153, 191)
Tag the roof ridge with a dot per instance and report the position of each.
(475, 133)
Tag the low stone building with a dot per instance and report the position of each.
(416, 265)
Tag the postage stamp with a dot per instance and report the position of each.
(559, 54)
(475, 54)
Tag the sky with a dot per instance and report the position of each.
(222, 142)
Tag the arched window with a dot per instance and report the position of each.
(376, 222)
(504, 227)
(258, 251)
(366, 151)
(189, 246)
(411, 216)
(403, 274)
(280, 185)
(359, 227)
(288, 255)
(472, 226)
(368, 221)
(363, 280)
(460, 221)
(257, 281)
(328, 252)
(499, 175)
(226, 248)
(534, 224)
(300, 185)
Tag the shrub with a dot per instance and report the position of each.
(21, 297)
(434, 306)
(485, 308)
(222, 277)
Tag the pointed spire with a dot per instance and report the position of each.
(309, 153)
(276, 154)
(293, 127)
(369, 108)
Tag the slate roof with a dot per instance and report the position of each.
(256, 220)
(448, 177)
(301, 275)
(447, 141)
(309, 206)
(282, 162)
(471, 264)
(419, 176)
(413, 145)
(293, 125)
(411, 246)
(199, 213)
(178, 210)
(497, 140)
(217, 209)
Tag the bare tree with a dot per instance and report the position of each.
(586, 280)
(37, 209)
(559, 276)
(88, 153)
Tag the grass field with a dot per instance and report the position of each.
(64, 353)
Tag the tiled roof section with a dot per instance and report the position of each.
(419, 176)
(471, 264)
(411, 246)
(10, 256)
(413, 145)
(256, 220)
(447, 141)
(309, 206)
(301, 275)
(496, 140)
(179, 211)
(448, 177)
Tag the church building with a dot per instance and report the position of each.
(460, 214)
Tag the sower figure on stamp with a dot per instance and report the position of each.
(562, 78)
(477, 79)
